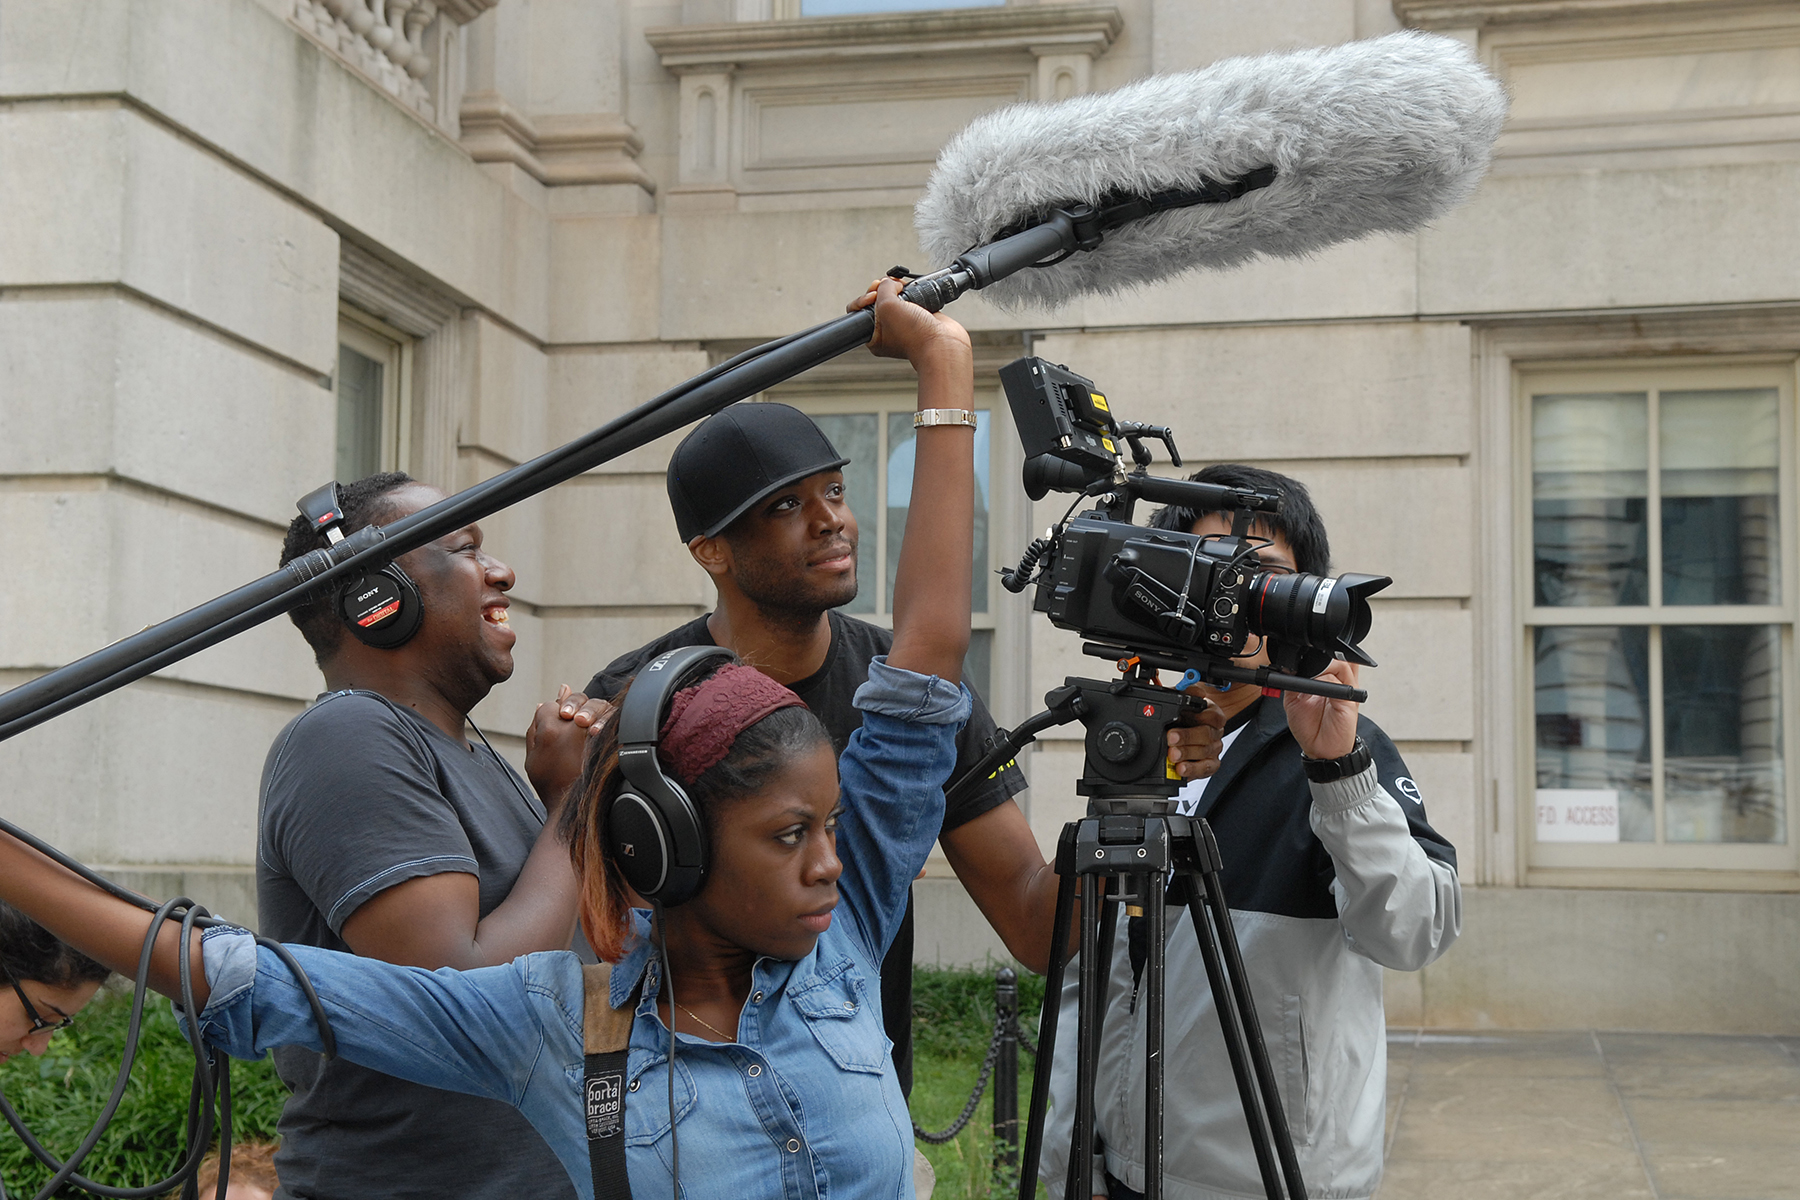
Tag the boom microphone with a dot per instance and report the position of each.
(1374, 136)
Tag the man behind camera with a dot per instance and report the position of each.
(1331, 874)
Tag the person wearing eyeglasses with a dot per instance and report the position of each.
(1332, 874)
(46, 982)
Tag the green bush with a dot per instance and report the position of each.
(953, 1022)
(59, 1095)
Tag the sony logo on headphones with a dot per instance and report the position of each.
(372, 591)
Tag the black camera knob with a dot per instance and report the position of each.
(1118, 742)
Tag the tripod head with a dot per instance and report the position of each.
(1127, 721)
(1126, 768)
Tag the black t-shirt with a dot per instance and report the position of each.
(828, 692)
(360, 794)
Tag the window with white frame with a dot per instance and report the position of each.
(1660, 613)
(372, 388)
(874, 431)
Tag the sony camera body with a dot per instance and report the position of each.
(1173, 594)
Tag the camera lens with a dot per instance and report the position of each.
(1309, 610)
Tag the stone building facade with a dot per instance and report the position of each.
(248, 244)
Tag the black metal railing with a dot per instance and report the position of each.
(1001, 1067)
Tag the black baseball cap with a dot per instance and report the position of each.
(736, 457)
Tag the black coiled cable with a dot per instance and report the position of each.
(1018, 578)
(212, 1072)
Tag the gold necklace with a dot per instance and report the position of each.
(714, 1028)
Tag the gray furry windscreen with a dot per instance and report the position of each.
(1374, 136)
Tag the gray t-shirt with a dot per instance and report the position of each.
(360, 794)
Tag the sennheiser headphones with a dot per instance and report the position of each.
(656, 834)
(382, 608)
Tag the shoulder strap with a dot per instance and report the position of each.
(605, 1037)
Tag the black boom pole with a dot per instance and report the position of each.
(1061, 233)
(178, 637)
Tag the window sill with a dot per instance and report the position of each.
(1663, 879)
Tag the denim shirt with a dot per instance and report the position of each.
(803, 1105)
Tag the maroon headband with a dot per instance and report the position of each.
(705, 720)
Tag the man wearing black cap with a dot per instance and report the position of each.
(758, 494)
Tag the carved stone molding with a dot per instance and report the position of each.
(441, 374)
(791, 112)
(1473, 14)
(1593, 81)
(555, 150)
(403, 46)
(1040, 30)
(464, 11)
(383, 291)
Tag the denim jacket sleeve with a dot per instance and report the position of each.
(893, 775)
(463, 1031)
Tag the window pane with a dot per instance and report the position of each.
(1720, 473)
(856, 436)
(358, 415)
(978, 664)
(1589, 483)
(1593, 733)
(899, 487)
(1722, 768)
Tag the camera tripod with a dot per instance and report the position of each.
(1134, 850)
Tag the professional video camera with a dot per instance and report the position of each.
(1174, 596)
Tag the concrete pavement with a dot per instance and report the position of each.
(1606, 1116)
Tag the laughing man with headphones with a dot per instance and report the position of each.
(385, 832)
(739, 1038)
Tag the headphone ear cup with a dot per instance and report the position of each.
(654, 832)
(382, 609)
(634, 834)
(659, 844)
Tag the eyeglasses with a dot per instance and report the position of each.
(38, 1024)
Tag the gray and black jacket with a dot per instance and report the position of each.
(1327, 883)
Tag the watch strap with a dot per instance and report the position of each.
(1327, 770)
(927, 417)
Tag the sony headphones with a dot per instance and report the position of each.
(655, 833)
(382, 608)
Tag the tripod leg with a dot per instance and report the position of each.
(1246, 1005)
(1232, 1027)
(1103, 955)
(1040, 1081)
(1156, 927)
(1081, 1137)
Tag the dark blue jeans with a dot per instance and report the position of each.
(1118, 1191)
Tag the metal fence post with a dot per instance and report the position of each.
(1006, 1070)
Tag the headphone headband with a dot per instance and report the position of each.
(654, 688)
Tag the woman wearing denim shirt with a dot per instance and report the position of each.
(783, 1085)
